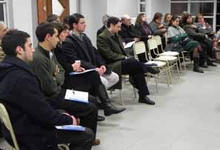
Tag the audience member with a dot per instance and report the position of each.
(179, 41)
(78, 46)
(110, 46)
(33, 119)
(157, 26)
(167, 19)
(203, 38)
(53, 18)
(3, 31)
(51, 77)
(128, 32)
(104, 21)
(143, 27)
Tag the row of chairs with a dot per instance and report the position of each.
(165, 61)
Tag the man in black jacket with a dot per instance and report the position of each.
(33, 119)
(78, 46)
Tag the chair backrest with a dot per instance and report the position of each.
(158, 40)
(152, 47)
(139, 48)
(6, 121)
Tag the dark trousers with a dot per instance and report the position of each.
(88, 82)
(78, 140)
(135, 69)
(86, 112)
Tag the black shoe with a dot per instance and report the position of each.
(212, 64)
(111, 109)
(197, 69)
(100, 118)
(146, 100)
(203, 66)
(153, 70)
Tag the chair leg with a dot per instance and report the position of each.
(122, 101)
(63, 147)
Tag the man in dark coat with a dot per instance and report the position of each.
(110, 46)
(128, 32)
(44, 65)
(78, 46)
(33, 119)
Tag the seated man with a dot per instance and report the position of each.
(104, 21)
(128, 32)
(110, 46)
(78, 46)
(33, 119)
(51, 78)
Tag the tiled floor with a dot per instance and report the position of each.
(185, 117)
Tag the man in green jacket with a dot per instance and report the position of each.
(111, 48)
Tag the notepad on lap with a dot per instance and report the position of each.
(85, 71)
(71, 127)
(77, 96)
(129, 44)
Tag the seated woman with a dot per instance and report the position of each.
(202, 38)
(206, 28)
(179, 41)
(158, 28)
(167, 19)
(142, 27)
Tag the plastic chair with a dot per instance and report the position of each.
(140, 49)
(6, 121)
(171, 61)
(169, 53)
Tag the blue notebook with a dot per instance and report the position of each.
(71, 127)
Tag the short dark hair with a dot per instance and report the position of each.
(74, 18)
(112, 20)
(12, 39)
(59, 26)
(43, 29)
(52, 18)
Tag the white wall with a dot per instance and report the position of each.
(93, 10)
(153, 6)
(120, 7)
(73, 6)
(22, 16)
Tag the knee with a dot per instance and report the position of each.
(90, 136)
(104, 81)
(115, 77)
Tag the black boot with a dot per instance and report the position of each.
(196, 67)
(210, 63)
(146, 100)
(108, 107)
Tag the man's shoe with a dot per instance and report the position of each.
(212, 64)
(197, 69)
(96, 142)
(203, 66)
(111, 109)
(100, 118)
(146, 100)
(153, 70)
